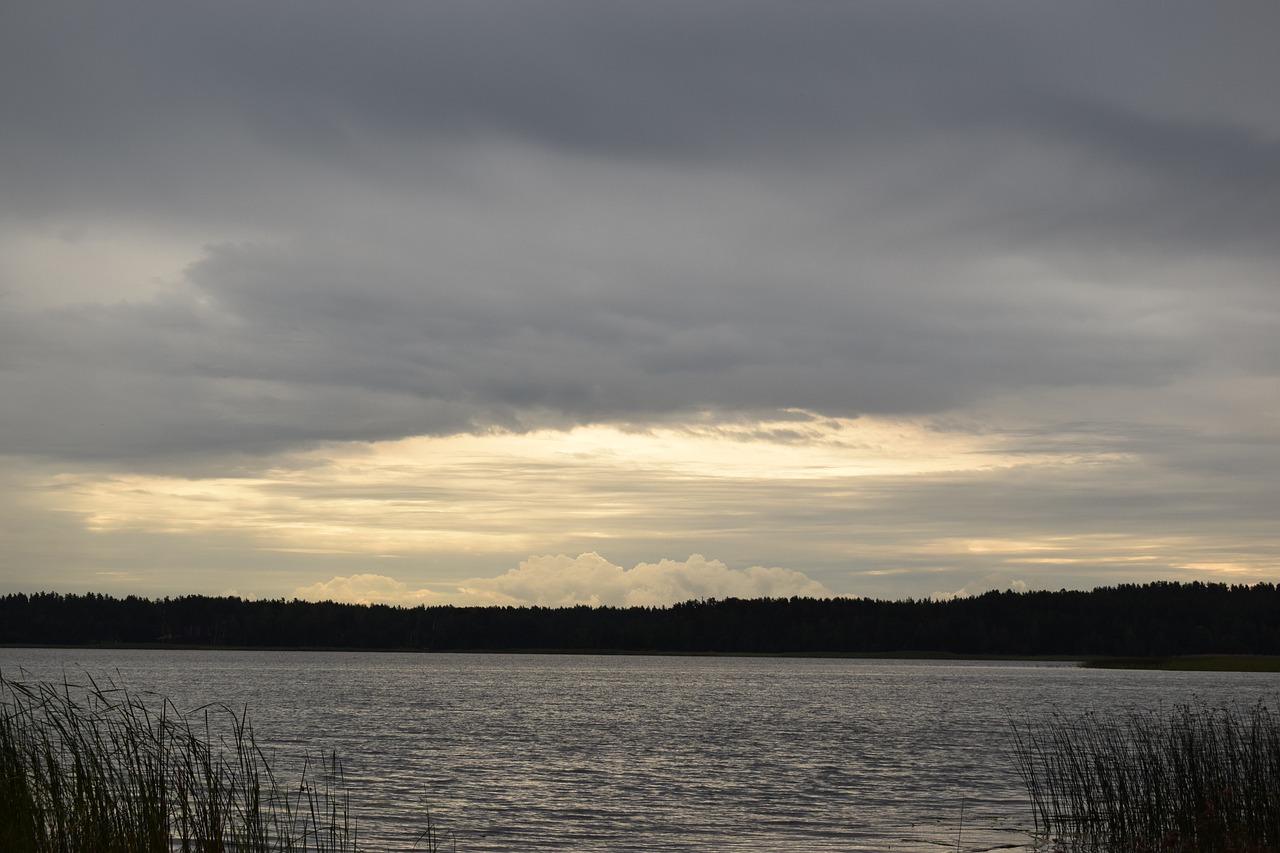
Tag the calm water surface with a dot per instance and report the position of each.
(620, 753)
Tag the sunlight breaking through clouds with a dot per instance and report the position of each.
(859, 506)
(500, 491)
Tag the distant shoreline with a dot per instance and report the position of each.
(906, 655)
(1176, 663)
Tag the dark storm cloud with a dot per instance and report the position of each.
(449, 216)
(270, 347)
(173, 93)
(673, 79)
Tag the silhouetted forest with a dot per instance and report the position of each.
(1154, 619)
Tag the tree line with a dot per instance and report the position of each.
(1160, 619)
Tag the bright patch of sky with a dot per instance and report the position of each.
(500, 492)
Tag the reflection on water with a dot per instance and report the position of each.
(630, 753)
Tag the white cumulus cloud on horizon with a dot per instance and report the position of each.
(367, 588)
(988, 583)
(561, 580)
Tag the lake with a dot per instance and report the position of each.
(630, 753)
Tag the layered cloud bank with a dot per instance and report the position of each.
(420, 225)
(305, 290)
(562, 581)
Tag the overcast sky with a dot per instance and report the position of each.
(556, 302)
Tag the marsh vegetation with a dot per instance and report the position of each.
(99, 768)
(1194, 779)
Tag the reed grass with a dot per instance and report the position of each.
(1197, 779)
(99, 769)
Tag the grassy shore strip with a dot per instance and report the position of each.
(98, 769)
(1192, 663)
(1197, 779)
